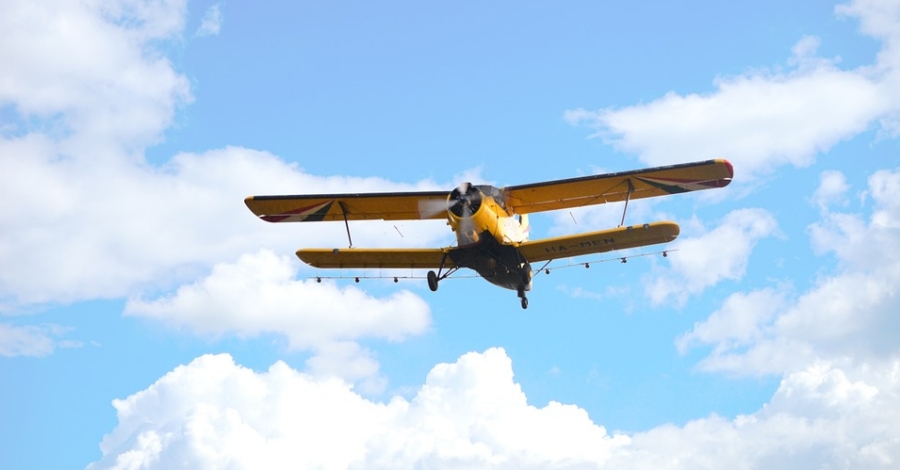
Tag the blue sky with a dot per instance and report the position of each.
(148, 319)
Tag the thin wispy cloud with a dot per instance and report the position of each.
(211, 23)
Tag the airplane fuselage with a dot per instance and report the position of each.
(488, 235)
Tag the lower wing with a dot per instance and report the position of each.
(538, 250)
(599, 242)
(423, 258)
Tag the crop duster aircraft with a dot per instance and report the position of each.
(491, 224)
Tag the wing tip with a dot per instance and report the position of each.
(250, 201)
(729, 168)
(672, 228)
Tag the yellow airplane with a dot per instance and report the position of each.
(491, 224)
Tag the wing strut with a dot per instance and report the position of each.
(441, 267)
(627, 197)
(347, 224)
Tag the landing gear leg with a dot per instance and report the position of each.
(434, 277)
(432, 281)
(522, 296)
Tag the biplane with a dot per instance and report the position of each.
(491, 224)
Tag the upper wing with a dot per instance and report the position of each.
(613, 187)
(367, 206)
(599, 242)
(376, 258)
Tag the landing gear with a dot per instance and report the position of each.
(434, 277)
(432, 281)
(525, 272)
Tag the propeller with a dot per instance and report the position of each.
(463, 202)
(431, 207)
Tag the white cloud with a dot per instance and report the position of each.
(259, 295)
(88, 73)
(89, 88)
(762, 120)
(32, 340)
(879, 19)
(705, 260)
(818, 418)
(109, 231)
(211, 23)
(738, 323)
(215, 414)
(832, 189)
(848, 317)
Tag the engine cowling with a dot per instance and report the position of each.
(471, 213)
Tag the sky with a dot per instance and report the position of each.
(149, 320)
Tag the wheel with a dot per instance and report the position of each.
(432, 281)
(524, 302)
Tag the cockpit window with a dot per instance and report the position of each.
(493, 192)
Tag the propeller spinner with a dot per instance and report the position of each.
(465, 200)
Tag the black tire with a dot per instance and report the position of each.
(524, 303)
(432, 281)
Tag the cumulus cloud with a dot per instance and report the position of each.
(259, 295)
(106, 89)
(93, 219)
(847, 317)
(109, 230)
(737, 323)
(764, 119)
(832, 190)
(213, 413)
(116, 229)
(704, 260)
(820, 417)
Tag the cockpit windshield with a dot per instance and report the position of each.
(493, 192)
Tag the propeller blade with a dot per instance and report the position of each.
(432, 207)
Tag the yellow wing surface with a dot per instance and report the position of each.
(599, 242)
(521, 199)
(539, 250)
(365, 206)
(421, 258)
(614, 187)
